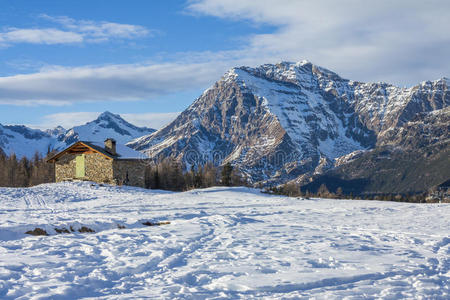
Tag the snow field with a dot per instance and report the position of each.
(222, 243)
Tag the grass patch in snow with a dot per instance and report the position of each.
(62, 230)
(37, 231)
(85, 229)
(148, 223)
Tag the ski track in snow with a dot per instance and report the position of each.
(222, 243)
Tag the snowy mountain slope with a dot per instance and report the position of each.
(411, 158)
(277, 122)
(57, 131)
(383, 106)
(107, 125)
(227, 243)
(24, 141)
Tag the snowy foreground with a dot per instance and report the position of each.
(221, 243)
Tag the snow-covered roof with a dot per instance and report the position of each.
(123, 152)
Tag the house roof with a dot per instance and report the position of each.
(445, 184)
(123, 152)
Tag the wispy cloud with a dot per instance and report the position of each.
(47, 36)
(66, 120)
(100, 31)
(60, 86)
(71, 31)
(152, 120)
(71, 119)
(400, 41)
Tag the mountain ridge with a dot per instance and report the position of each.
(288, 121)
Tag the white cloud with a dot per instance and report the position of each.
(152, 120)
(66, 120)
(59, 86)
(99, 31)
(40, 36)
(71, 119)
(72, 31)
(400, 41)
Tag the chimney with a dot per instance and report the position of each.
(110, 146)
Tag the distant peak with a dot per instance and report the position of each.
(303, 62)
(442, 79)
(445, 80)
(107, 114)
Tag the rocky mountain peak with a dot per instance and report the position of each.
(108, 116)
(302, 73)
(57, 131)
(279, 121)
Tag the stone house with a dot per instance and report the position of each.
(104, 163)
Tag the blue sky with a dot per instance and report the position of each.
(63, 62)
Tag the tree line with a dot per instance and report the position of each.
(295, 190)
(25, 172)
(168, 174)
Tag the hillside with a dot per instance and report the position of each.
(409, 159)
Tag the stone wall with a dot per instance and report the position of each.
(65, 167)
(97, 168)
(135, 169)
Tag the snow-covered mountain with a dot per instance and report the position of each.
(107, 125)
(278, 122)
(411, 158)
(57, 131)
(24, 141)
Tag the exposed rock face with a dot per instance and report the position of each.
(280, 122)
(423, 130)
(410, 158)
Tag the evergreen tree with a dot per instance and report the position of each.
(209, 175)
(24, 173)
(227, 171)
(198, 178)
(339, 193)
(323, 191)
